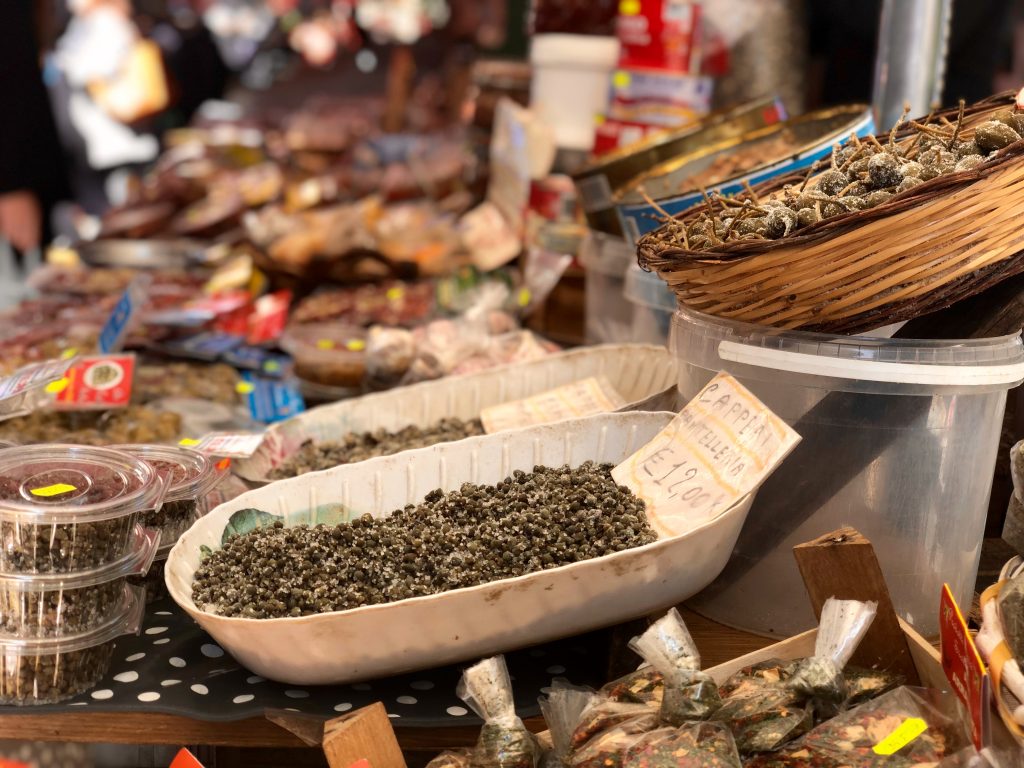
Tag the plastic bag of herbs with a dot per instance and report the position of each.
(905, 728)
(693, 745)
(504, 740)
(771, 703)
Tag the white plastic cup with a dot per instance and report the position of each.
(570, 85)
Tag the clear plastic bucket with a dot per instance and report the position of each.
(899, 440)
(653, 305)
(609, 317)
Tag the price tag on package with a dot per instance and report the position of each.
(115, 330)
(100, 381)
(228, 444)
(719, 448)
(572, 401)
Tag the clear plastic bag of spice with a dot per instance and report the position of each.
(903, 728)
(562, 708)
(772, 703)
(694, 745)
(607, 748)
(504, 741)
(603, 714)
(454, 758)
(644, 686)
(689, 694)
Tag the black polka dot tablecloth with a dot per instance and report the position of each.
(174, 667)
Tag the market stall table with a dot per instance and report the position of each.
(229, 719)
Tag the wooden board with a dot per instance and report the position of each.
(843, 564)
(363, 735)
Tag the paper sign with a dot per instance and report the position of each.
(572, 401)
(905, 733)
(232, 445)
(964, 668)
(99, 381)
(720, 447)
(184, 759)
(116, 328)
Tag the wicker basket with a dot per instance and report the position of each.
(927, 248)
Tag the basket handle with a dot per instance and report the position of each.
(1009, 375)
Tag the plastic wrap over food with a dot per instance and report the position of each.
(504, 741)
(689, 694)
(693, 745)
(562, 709)
(772, 703)
(908, 727)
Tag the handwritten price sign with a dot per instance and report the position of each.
(719, 448)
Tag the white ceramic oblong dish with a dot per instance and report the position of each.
(424, 632)
(636, 371)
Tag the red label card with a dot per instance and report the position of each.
(185, 759)
(103, 381)
(269, 317)
(964, 668)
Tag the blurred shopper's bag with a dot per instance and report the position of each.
(139, 89)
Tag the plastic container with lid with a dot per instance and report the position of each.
(152, 580)
(606, 259)
(188, 476)
(331, 354)
(899, 440)
(50, 669)
(70, 508)
(60, 604)
(653, 304)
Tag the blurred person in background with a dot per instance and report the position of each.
(32, 170)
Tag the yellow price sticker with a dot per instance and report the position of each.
(58, 386)
(524, 297)
(629, 7)
(395, 294)
(53, 490)
(355, 345)
(905, 733)
(621, 79)
(271, 366)
(325, 344)
(188, 442)
(244, 387)
(68, 353)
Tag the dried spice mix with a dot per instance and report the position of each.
(504, 741)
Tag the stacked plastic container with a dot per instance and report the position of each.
(188, 477)
(71, 535)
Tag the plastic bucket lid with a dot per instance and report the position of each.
(187, 474)
(72, 483)
(849, 363)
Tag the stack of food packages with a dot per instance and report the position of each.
(81, 528)
(816, 711)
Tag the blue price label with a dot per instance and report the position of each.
(116, 328)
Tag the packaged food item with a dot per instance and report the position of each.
(327, 353)
(216, 382)
(693, 745)
(452, 758)
(151, 581)
(188, 476)
(607, 748)
(389, 354)
(134, 424)
(689, 694)
(905, 728)
(69, 508)
(772, 703)
(602, 716)
(644, 686)
(865, 684)
(562, 708)
(51, 669)
(504, 741)
(60, 604)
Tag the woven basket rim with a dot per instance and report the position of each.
(653, 252)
